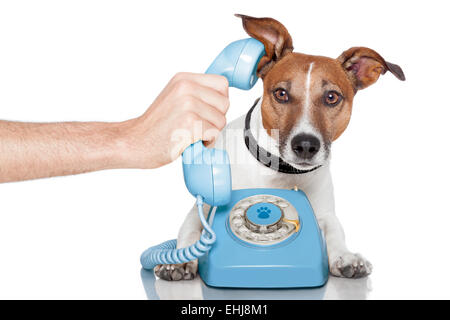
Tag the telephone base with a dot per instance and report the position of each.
(248, 254)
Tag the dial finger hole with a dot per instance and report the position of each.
(282, 204)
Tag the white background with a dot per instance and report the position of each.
(81, 236)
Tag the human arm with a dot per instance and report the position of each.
(187, 103)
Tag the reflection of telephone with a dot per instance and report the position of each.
(266, 238)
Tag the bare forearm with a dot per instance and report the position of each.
(36, 150)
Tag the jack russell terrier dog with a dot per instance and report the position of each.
(306, 105)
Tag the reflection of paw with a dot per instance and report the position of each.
(350, 265)
(175, 272)
(338, 288)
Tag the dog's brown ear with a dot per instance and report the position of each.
(275, 37)
(364, 66)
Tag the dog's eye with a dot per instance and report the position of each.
(281, 95)
(332, 98)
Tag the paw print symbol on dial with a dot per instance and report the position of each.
(263, 212)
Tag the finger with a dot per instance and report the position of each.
(192, 130)
(213, 98)
(204, 131)
(210, 133)
(207, 112)
(213, 81)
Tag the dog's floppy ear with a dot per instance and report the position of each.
(364, 66)
(275, 37)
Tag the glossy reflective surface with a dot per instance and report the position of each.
(335, 288)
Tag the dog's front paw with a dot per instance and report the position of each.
(175, 272)
(350, 265)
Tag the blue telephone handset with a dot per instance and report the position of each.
(206, 171)
(256, 227)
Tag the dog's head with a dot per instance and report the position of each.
(307, 99)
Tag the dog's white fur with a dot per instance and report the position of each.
(247, 172)
(305, 126)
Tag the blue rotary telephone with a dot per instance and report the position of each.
(252, 238)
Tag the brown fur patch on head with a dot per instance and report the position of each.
(278, 116)
(290, 74)
(327, 75)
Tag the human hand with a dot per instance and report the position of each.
(191, 107)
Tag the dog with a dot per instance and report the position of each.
(306, 105)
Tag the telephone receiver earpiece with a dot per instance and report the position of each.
(238, 63)
(207, 171)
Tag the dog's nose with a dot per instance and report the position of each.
(305, 146)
